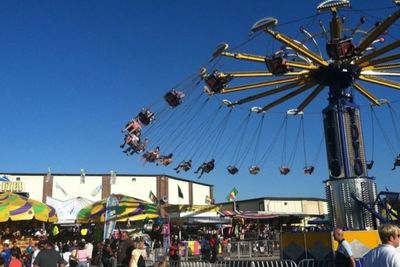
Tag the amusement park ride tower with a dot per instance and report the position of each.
(348, 63)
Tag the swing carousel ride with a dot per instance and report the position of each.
(354, 61)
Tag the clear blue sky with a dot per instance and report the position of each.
(73, 72)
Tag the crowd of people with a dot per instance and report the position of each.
(125, 251)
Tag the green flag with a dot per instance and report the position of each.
(232, 195)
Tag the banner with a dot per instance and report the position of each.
(153, 197)
(110, 216)
(180, 194)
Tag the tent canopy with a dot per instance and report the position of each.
(128, 208)
(19, 208)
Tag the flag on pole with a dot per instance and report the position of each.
(153, 197)
(232, 195)
(180, 194)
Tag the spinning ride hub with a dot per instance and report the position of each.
(351, 62)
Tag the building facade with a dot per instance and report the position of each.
(94, 187)
(282, 205)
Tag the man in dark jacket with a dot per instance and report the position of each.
(49, 257)
(125, 247)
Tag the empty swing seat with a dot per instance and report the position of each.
(232, 169)
(370, 164)
(308, 170)
(254, 170)
(284, 170)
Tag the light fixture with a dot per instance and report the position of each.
(48, 175)
(83, 176)
(113, 177)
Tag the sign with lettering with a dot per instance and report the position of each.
(9, 186)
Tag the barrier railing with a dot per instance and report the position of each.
(316, 263)
(323, 263)
(237, 250)
(255, 263)
(235, 263)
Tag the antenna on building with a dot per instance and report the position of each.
(83, 176)
(48, 175)
(113, 177)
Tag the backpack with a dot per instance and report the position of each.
(141, 262)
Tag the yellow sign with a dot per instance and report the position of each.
(11, 186)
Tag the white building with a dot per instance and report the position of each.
(282, 205)
(93, 187)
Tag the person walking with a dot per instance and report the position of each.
(82, 255)
(49, 257)
(125, 247)
(15, 261)
(385, 254)
(344, 256)
(139, 255)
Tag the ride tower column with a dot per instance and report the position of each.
(348, 177)
(348, 182)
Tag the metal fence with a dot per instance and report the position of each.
(323, 263)
(236, 263)
(258, 263)
(316, 263)
(258, 248)
(237, 250)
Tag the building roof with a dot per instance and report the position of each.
(103, 174)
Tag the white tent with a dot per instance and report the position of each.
(67, 210)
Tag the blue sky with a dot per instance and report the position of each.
(73, 72)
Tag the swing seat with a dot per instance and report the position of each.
(370, 164)
(208, 168)
(232, 169)
(151, 156)
(284, 170)
(340, 49)
(277, 65)
(139, 147)
(308, 170)
(174, 98)
(215, 82)
(146, 117)
(254, 170)
(134, 127)
(165, 160)
(186, 166)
